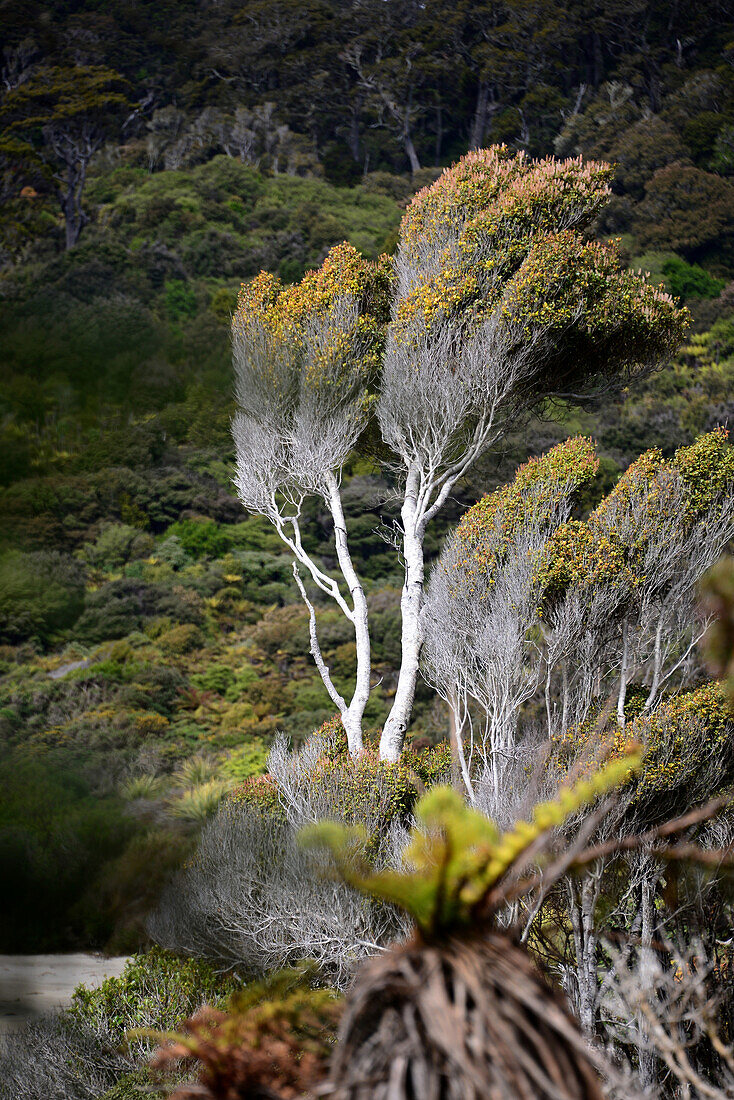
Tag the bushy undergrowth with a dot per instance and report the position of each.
(253, 898)
(80, 1053)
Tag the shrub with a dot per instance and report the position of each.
(201, 537)
(253, 899)
(181, 639)
(690, 280)
(147, 787)
(155, 990)
(195, 771)
(124, 605)
(116, 544)
(214, 678)
(687, 210)
(246, 761)
(180, 299)
(56, 1058)
(275, 1035)
(150, 723)
(200, 803)
(688, 741)
(41, 594)
(172, 553)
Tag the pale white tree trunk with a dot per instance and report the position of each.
(411, 605)
(353, 714)
(623, 675)
(456, 739)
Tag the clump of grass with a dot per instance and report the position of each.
(195, 772)
(146, 787)
(199, 803)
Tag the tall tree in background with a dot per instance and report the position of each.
(58, 119)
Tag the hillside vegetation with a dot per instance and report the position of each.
(152, 638)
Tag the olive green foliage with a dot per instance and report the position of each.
(687, 740)
(457, 857)
(54, 121)
(276, 1033)
(718, 596)
(487, 529)
(589, 552)
(156, 989)
(690, 280)
(41, 595)
(689, 211)
(117, 544)
(688, 743)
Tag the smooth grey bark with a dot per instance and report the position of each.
(411, 604)
(353, 714)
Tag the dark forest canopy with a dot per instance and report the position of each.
(375, 84)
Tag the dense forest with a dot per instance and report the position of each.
(154, 647)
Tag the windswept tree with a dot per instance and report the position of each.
(306, 357)
(501, 302)
(620, 590)
(498, 303)
(524, 604)
(55, 121)
(482, 650)
(600, 621)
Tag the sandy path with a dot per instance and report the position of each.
(30, 984)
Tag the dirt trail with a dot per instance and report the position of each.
(31, 984)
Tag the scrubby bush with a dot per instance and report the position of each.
(687, 210)
(201, 537)
(41, 594)
(252, 898)
(181, 639)
(690, 280)
(156, 989)
(171, 552)
(80, 1053)
(275, 1039)
(54, 1058)
(116, 544)
(199, 803)
(124, 605)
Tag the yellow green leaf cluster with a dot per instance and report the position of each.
(285, 318)
(488, 529)
(503, 234)
(456, 856)
(596, 552)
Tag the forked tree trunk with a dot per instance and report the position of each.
(464, 1020)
